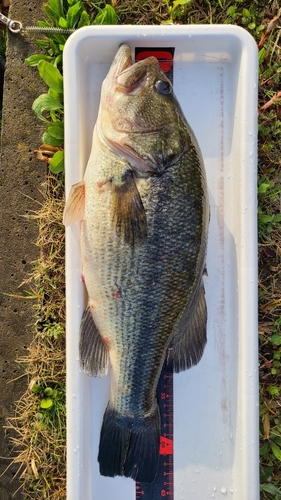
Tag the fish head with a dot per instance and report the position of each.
(140, 117)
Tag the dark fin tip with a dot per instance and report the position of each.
(92, 349)
(129, 446)
(128, 216)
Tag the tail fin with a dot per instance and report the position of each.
(129, 446)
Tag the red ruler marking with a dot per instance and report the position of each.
(165, 56)
(163, 485)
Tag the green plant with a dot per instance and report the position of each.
(173, 10)
(48, 107)
(269, 195)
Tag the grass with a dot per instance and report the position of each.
(40, 417)
(39, 420)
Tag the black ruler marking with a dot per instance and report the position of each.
(163, 485)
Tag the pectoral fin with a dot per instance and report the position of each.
(92, 349)
(75, 205)
(128, 214)
(190, 337)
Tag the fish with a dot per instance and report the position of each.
(144, 215)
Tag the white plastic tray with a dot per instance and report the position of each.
(216, 403)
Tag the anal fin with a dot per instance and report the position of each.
(75, 205)
(190, 336)
(92, 349)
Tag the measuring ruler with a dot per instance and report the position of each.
(163, 485)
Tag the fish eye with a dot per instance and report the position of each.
(163, 87)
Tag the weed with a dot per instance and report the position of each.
(175, 10)
(70, 14)
(40, 419)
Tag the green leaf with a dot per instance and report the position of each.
(265, 473)
(57, 6)
(84, 20)
(276, 450)
(56, 39)
(51, 76)
(44, 24)
(63, 22)
(252, 10)
(264, 449)
(106, 16)
(246, 13)
(232, 11)
(43, 44)
(56, 131)
(48, 139)
(58, 61)
(48, 391)
(263, 187)
(36, 388)
(176, 3)
(73, 14)
(251, 26)
(276, 339)
(273, 391)
(261, 56)
(270, 488)
(45, 102)
(277, 218)
(36, 58)
(57, 162)
(58, 97)
(266, 219)
(46, 403)
(51, 13)
(54, 47)
(277, 440)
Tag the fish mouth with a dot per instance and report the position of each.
(122, 60)
(130, 75)
(134, 75)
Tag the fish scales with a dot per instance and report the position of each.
(132, 291)
(143, 245)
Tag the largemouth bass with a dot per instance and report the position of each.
(144, 220)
